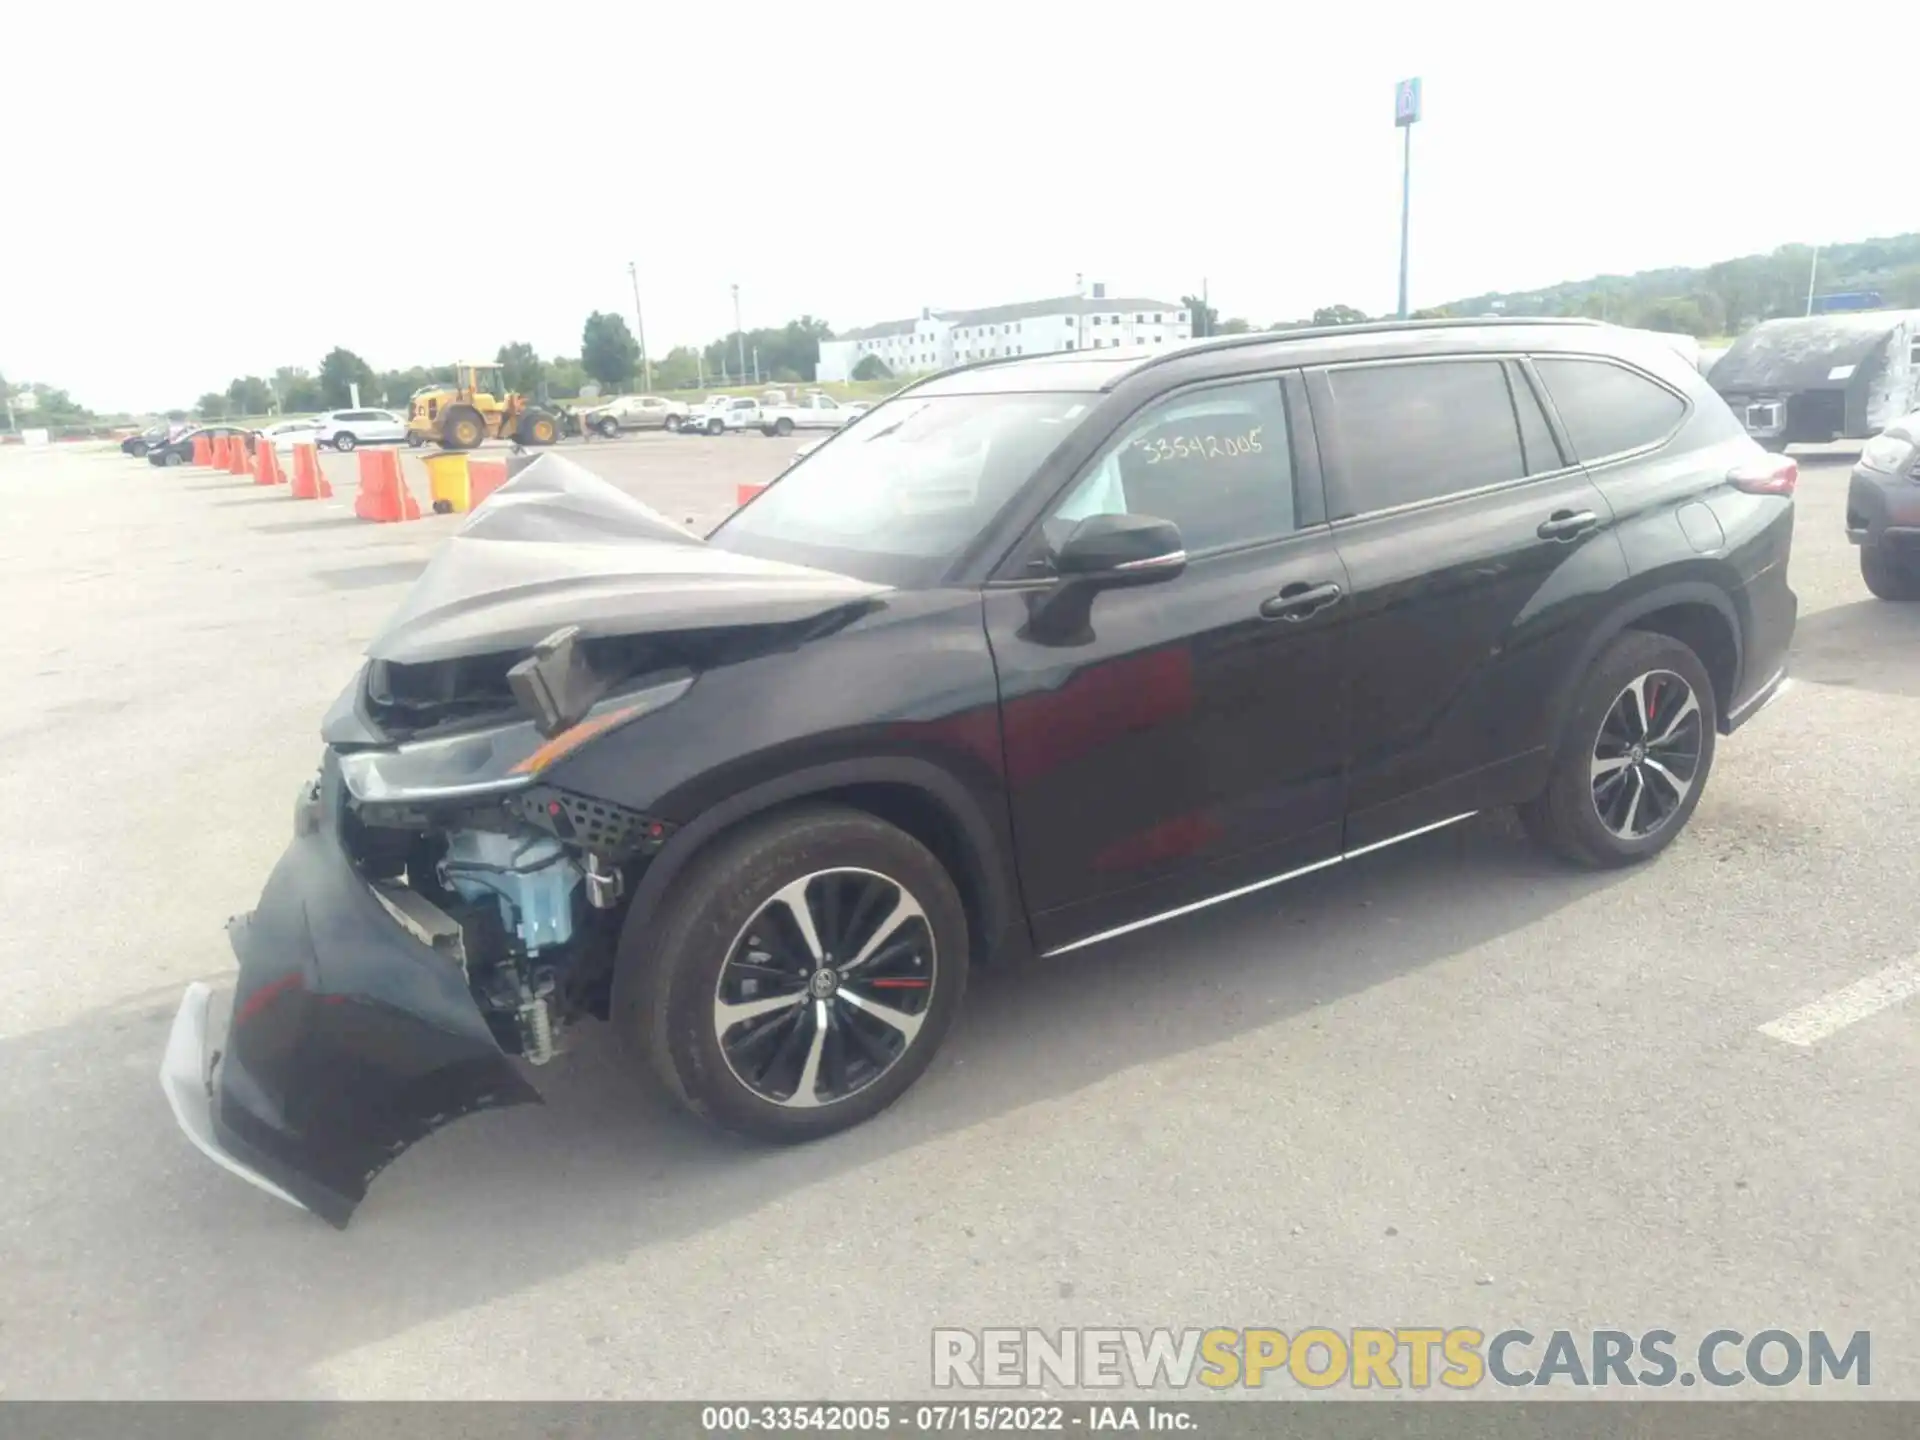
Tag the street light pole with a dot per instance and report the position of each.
(1406, 113)
(739, 336)
(1813, 271)
(646, 365)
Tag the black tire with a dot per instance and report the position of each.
(609, 428)
(536, 427)
(415, 439)
(462, 430)
(344, 440)
(783, 426)
(1567, 817)
(667, 985)
(174, 457)
(138, 449)
(1890, 576)
(714, 427)
(673, 422)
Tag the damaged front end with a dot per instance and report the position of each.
(442, 909)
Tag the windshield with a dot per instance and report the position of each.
(896, 495)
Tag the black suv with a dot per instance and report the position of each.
(1883, 511)
(1036, 653)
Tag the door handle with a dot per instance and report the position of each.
(1566, 524)
(1299, 600)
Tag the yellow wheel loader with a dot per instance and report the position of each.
(475, 408)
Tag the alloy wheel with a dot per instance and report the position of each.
(825, 988)
(1647, 755)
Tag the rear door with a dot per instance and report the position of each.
(1477, 554)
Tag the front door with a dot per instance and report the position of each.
(1186, 740)
(1479, 556)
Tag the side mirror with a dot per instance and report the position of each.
(1119, 548)
(1103, 552)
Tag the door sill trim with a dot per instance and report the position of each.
(1238, 891)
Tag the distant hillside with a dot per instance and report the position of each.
(1722, 299)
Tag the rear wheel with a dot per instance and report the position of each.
(174, 457)
(799, 977)
(783, 426)
(1634, 756)
(609, 428)
(415, 439)
(344, 440)
(1890, 576)
(137, 449)
(673, 422)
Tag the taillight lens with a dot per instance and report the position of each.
(1769, 475)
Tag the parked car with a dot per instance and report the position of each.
(1842, 376)
(344, 429)
(635, 412)
(289, 433)
(179, 450)
(1883, 510)
(148, 438)
(722, 413)
(813, 411)
(1043, 652)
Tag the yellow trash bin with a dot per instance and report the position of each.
(447, 482)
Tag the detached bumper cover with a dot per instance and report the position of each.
(350, 1038)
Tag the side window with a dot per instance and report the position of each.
(1423, 431)
(1215, 462)
(1542, 454)
(1607, 408)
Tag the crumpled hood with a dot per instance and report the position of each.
(557, 545)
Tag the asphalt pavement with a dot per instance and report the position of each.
(1451, 1084)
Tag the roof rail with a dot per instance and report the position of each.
(1364, 327)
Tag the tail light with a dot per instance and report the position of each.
(1768, 475)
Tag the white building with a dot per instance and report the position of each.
(940, 338)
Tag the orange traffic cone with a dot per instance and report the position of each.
(217, 452)
(384, 497)
(264, 470)
(237, 460)
(202, 450)
(744, 493)
(307, 480)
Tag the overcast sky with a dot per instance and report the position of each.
(198, 191)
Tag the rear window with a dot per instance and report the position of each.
(1608, 409)
(1411, 433)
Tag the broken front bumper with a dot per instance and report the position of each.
(351, 1036)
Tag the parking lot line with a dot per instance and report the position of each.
(1835, 1011)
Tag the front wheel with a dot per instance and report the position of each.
(415, 439)
(138, 449)
(1890, 576)
(714, 427)
(174, 457)
(1634, 756)
(344, 440)
(609, 429)
(673, 422)
(800, 975)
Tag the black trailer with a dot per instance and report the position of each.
(1824, 377)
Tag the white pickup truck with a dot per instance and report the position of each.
(721, 412)
(811, 412)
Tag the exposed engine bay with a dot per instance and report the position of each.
(452, 897)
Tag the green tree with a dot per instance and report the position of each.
(338, 372)
(299, 392)
(249, 396)
(566, 377)
(872, 367)
(608, 351)
(525, 374)
(211, 406)
(1202, 315)
(1235, 326)
(678, 369)
(1338, 315)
